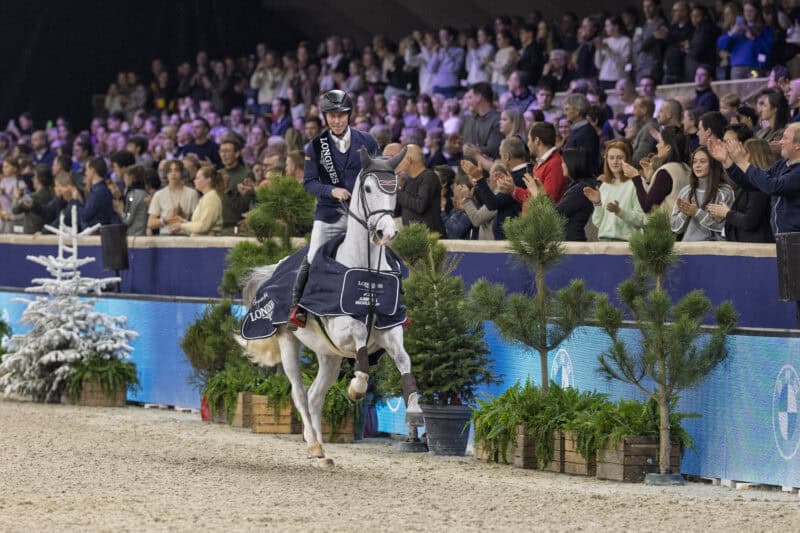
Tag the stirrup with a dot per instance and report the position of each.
(297, 319)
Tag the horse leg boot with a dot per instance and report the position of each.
(297, 317)
(411, 397)
(358, 385)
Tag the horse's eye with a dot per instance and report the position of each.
(368, 189)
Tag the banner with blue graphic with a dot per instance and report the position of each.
(748, 429)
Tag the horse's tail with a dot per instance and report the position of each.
(254, 279)
(264, 352)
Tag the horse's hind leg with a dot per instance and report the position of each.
(290, 352)
(326, 376)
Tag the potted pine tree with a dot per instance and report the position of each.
(541, 321)
(546, 319)
(282, 210)
(449, 356)
(675, 353)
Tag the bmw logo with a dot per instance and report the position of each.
(562, 371)
(785, 424)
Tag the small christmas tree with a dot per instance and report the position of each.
(674, 353)
(449, 357)
(547, 319)
(283, 210)
(66, 328)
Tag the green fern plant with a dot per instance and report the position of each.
(606, 424)
(559, 407)
(226, 385)
(111, 374)
(496, 419)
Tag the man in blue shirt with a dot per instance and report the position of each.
(332, 164)
(781, 181)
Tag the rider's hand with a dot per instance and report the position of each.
(340, 193)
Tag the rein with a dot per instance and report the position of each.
(367, 214)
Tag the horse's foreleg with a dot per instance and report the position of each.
(326, 376)
(358, 385)
(393, 344)
(290, 351)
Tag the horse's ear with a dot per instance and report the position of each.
(365, 159)
(394, 161)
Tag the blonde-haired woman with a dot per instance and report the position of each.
(617, 213)
(207, 217)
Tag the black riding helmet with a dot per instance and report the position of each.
(336, 101)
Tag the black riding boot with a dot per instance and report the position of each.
(297, 317)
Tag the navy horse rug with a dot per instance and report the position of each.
(332, 290)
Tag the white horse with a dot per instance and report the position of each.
(370, 227)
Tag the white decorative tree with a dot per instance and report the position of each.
(66, 328)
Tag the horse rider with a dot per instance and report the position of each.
(332, 164)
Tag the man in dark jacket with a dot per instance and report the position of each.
(99, 206)
(419, 199)
(705, 99)
(582, 134)
(680, 32)
(781, 181)
(531, 59)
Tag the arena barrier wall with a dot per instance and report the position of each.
(748, 430)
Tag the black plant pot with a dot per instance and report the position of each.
(447, 428)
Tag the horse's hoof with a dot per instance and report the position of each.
(315, 452)
(353, 395)
(414, 411)
(358, 386)
(325, 462)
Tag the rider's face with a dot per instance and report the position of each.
(337, 122)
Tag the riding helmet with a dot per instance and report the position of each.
(336, 101)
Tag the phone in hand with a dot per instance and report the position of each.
(740, 20)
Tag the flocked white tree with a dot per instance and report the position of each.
(65, 326)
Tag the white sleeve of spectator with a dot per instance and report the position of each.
(679, 219)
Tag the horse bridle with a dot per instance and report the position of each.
(388, 186)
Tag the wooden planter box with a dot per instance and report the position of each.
(343, 434)
(557, 463)
(265, 418)
(243, 417)
(632, 458)
(525, 452)
(575, 463)
(93, 395)
(481, 454)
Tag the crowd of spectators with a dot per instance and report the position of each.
(182, 150)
